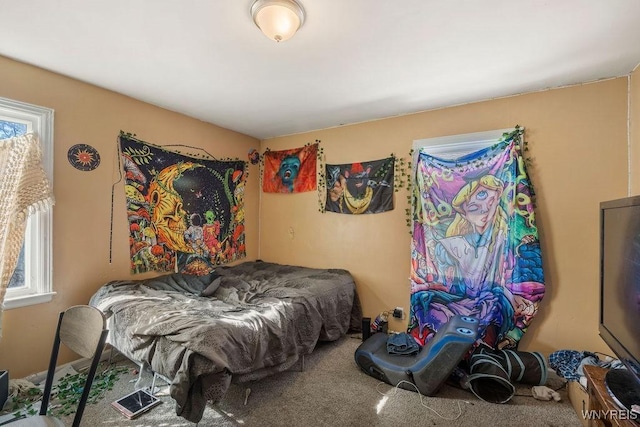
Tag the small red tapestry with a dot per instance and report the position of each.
(290, 171)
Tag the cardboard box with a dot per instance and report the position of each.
(579, 399)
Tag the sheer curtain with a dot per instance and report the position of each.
(24, 189)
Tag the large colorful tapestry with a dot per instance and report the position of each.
(475, 247)
(360, 188)
(290, 171)
(185, 214)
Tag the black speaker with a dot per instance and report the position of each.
(4, 387)
(366, 328)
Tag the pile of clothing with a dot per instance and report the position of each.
(402, 344)
(570, 364)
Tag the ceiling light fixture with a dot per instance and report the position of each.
(278, 19)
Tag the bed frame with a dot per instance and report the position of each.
(239, 324)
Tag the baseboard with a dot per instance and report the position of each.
(79, 365)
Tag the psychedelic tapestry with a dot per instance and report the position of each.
(290, 171)
(360, 188)
(475, 248)
(185, 214)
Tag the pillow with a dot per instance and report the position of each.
(212, 288)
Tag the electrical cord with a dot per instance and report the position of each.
(394, 390)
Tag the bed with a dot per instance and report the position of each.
(239, 323)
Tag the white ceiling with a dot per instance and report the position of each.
(352, 61)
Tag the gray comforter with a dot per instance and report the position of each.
(242, 323)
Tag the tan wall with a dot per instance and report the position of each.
(88, 114)
(578, 139)
(576, 135)
(634, 130)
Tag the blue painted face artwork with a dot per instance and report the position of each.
(288, 172)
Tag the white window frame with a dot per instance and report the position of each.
(455, 146)
(38, 242)
(452, 147)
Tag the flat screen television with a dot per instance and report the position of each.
(620, 295)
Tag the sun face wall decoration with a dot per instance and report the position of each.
(83, 157)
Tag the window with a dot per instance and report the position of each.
(450, 147)
(31, 282)
(455, 146)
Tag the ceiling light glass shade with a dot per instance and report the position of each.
(278, 19)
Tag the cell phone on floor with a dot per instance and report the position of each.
(136, 403)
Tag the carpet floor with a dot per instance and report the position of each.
(333, 391)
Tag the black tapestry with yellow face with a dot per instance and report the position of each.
(360, 188)
(185, 213)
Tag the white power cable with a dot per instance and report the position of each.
(395, 390)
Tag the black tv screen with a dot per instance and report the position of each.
(620, 286)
